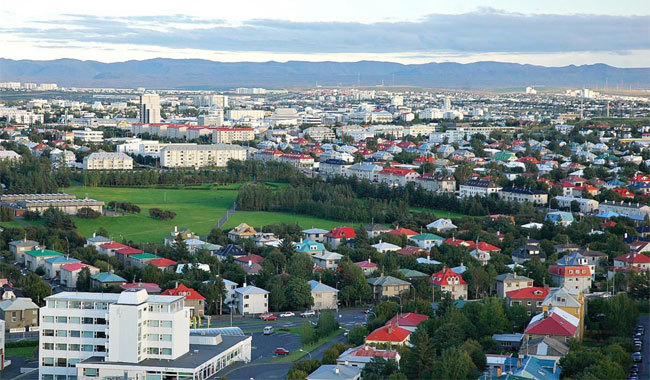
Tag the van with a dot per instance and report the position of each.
(268, 330)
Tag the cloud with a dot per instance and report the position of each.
(484, 31)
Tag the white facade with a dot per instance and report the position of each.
(251, 300)
(107, 161)
(237, 114)
(150, 108)
(89, 135)
(182, 155)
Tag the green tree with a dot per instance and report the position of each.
(357, 335)
(475, 351)
(298, 294)
(421, 356)
(301, 265)
(454, 364)
(35, 288)
(307, 333)
(179, 249)
(277, 293)
(214, 293)
(83, 280)
(326, 324)
(379, 369)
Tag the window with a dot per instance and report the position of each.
(87, 348)
(87, 321)
(48, 362)
(154, 323)
(61, 347)
(62, 333)
(74, 347)
(90, 372)
(48, 346)
(166, 337)
(48, 332)
(48, 318)
(75, 320)
(166, 323)
(166, 351)
(62, 319)
(88, 334)
(75, 333)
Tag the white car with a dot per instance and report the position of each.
(308, 313)
(287, 314)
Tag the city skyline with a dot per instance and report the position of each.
(549, 34)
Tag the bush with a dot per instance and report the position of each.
(88, 213)
(6, 214)
(21, 343)
(31, 215)
(301, 369)
(124, 206)
(157, 213)
(55, 218)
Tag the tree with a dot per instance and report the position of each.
(301, 369)
(151, 274)
(307, 333)
(332, 353)
(357, 335)
(475, 351)
(298, 294)
(57, 219)
(88, 213)
(454, 364)
(35, 288)
(326, 324)
(379, 369)
(214, 293)
(301, 265)
(101, 231)
(179, 248)
(638, 285)
(83, 280)
(277, 293)
(421, 356)
(492, 318)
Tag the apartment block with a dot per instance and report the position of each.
(183, 156)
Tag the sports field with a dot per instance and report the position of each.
(198, 209)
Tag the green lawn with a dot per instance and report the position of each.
(297, 354)
(11, 224)
(438, 213)
(197, 209)
(20, 351)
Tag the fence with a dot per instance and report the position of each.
(230, 211)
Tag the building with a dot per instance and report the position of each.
(107, 161)
(531, 298)
(190, 155)
(409, 321)
(527, 252)
(315, 234)
(36, 258)
(325, 297)
(53, 265)
(193, 299)
(397, 176)
(150, 108)
(362, 355)
(560, 218)
(633, 259)
(327, 260)
(365, 170)
(104, 280)
(389, 336)
(69, 273)
(242, 231)
(338, 235)
(511, 281)
(2, 345)
(89, 135)
(335, 372)
(19, 247)
(451, 282)
(554, 323)
(319, 133)
(297, 160)
(309, 246)
(148, 335)
(521, 195)
(569, 300)
(575, 277)
(585, 205)
(544, 348)
(426, 240)
(231, 135)
(631, 210)
(437, 183)
(384, 287)
(251, 300)
(20, 314)
(478, 188)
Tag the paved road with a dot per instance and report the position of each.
(645, 365)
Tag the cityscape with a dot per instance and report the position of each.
(279, 190)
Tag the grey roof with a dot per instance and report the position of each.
(195, 357)
(555, 295)
(250, 289)
(386, 281)
(23, 243)
(328, 371)
(544, 346)
(327, 255)
(516, 337)
(315, 231)
(512, 277)
(320, 287)
(17, 304)
(99, 239)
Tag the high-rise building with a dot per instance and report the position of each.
(447, 104)
(149, 108)
(130, 335)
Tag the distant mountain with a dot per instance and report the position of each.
(202, 74)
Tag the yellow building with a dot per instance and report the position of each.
(570, 301)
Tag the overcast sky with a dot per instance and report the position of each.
(550, 32)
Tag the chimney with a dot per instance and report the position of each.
(94, 234)
(369, 260)
(175, 228)
(336, 370)
(176, 284)
(390, 329)
(250, 263)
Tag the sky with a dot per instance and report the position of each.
(549, 33)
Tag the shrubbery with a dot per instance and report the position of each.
(157, 213)
(88, 213)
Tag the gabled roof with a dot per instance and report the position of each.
(182, 290)
(388, 333)
(113, 245)
(427, 236)
(105, 277)
(554, 322)
(386, 281)
(403, 231)
(366, 264)
(162, 262)
(256, 259)
(633, 258)
(72, 267)
(407, 319)
(43, 253)
(317, 286)
(250, 289)
(342, 233)
(531, 292)
(444, 276)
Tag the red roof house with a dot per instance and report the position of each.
(408, 321)
(389, 335)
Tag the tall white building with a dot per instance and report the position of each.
(185, 155)
(130, 335)
(149, 108)
(89, 135)
(107, 161)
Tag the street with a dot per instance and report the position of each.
(644, 372)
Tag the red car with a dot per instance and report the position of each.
(281, 351)
(269, 317)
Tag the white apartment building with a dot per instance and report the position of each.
(419, 130)
(107, 161)
(214, 118)
(130, 335)
(431, 113)
(15, 115)
(62, 158)
(238, 114)
(211, 100)
(149, 108)
(319, 133)
(586, 205)
(230, 135)
(250, 299)
(186, 155)
(476, 187)
(521, 195)
(365, 170)
(631, 210)
(89, 135)
(141, 147)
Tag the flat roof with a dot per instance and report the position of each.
(189, 361)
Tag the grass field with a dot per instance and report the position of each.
(439, 213)
(305, 348)
(21, 351)
(197, 209)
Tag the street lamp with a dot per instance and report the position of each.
(306, 352)
(400, 304)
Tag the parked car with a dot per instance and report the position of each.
(287, 314)
(281, 351)
(346, 332)
(308, 313)
(637, 357)
(268, 330)
(269, 317)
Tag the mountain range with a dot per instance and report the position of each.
(203, 74)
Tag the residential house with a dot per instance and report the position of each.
(555, 323)
(53, 265)
(397, 176)
(389, 336)
(521, 195)
(185, 233)
(111, 248)
(96, 241)
(361, 355)
(426, 240)
(478, 188)
(442, 225)
(311, 247)
(507, 282)
(69, 273)
(335, 372)
(409, 321)
(193, 299)
(437, 183)
(531, 298)
(19, 247)
(412, 250)
(36, 258)
(411, 274)
(150, 287)
(335, 237)
(577, 277)
(251, 300)
(384, 247)
(367, 266)
(384, 287)
(634, 211)
(242, 231)
(483, 257)
(633, 259)
(230, 250)
(374, 230)
(20, 314)
(451, 282)
(569, 300)
(508, 342)
(544, 347)
(560, 218)
(315, 234)
(327, 260)
(585, 205)
(325, 297)
(106, 280)
(576, 258)
(528, 251)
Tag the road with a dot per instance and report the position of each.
(644, 373)
(263, 346)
